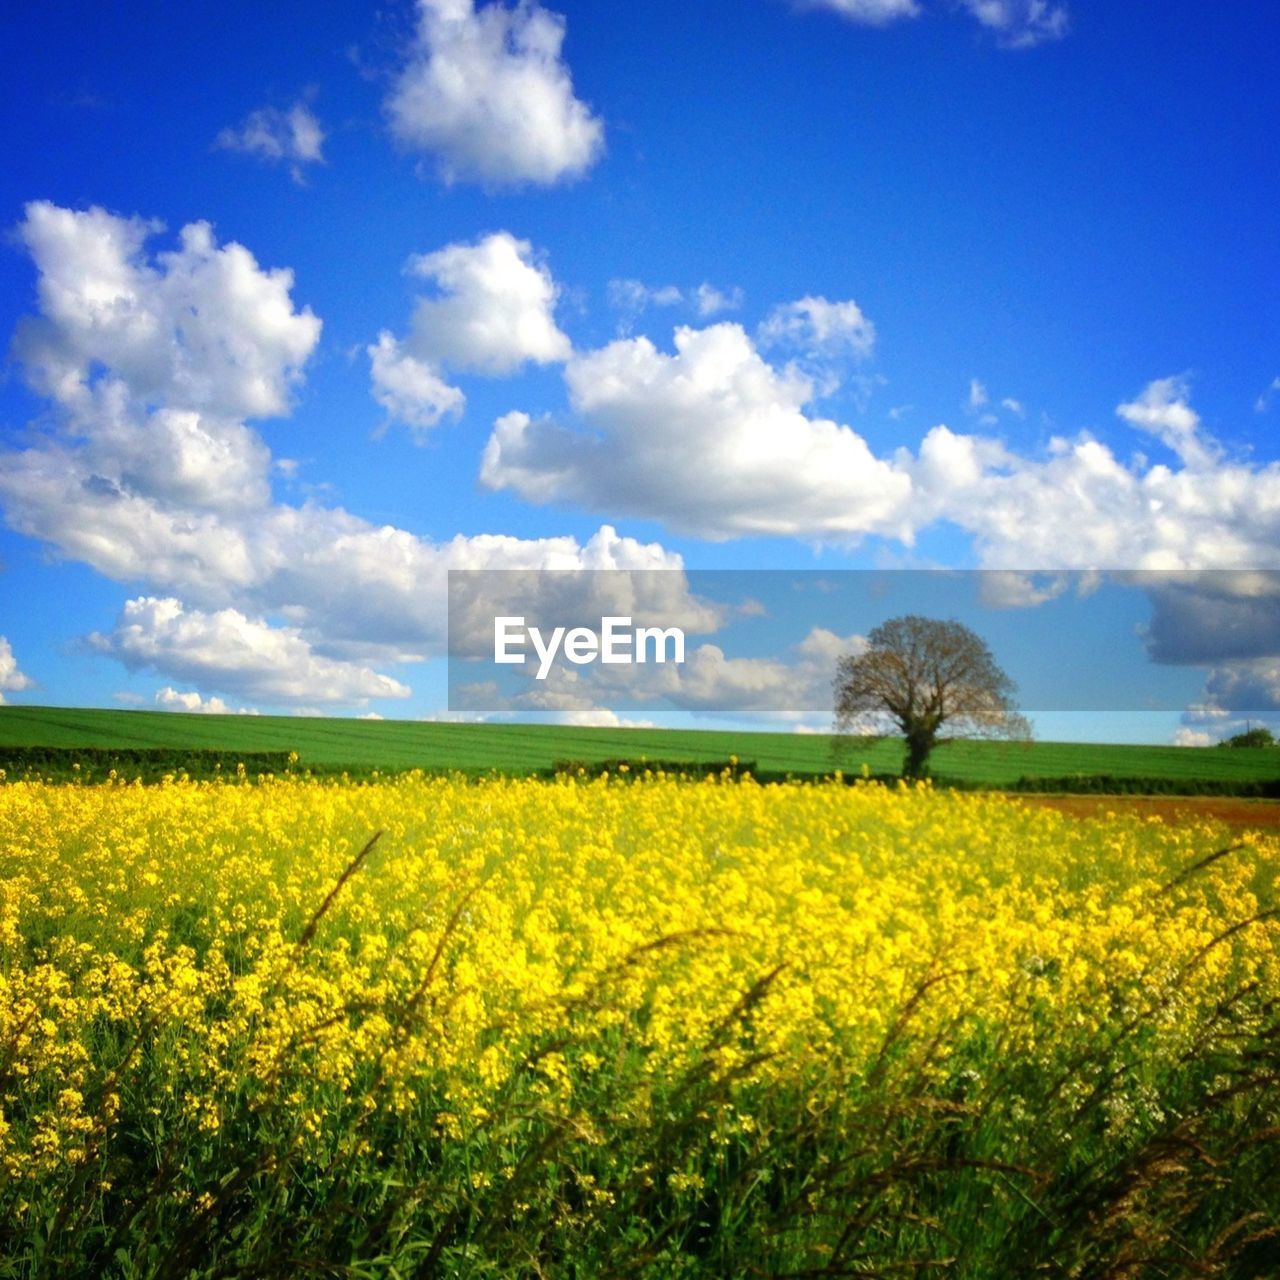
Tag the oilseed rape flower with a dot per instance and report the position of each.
(708, 1024)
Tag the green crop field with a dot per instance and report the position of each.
(402, 744)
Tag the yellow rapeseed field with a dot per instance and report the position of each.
(537, 1017)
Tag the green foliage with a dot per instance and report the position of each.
(1259, 737)
(971, 1160)
(328, 745)
(1109, 784)
(150, 764)
(924, 675)
(732, 768)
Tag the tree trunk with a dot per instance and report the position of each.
(916, 763)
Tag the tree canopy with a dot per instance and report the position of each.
(1259, 737)
(916, 677)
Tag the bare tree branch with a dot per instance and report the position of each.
(918, 675)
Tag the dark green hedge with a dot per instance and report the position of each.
(689, 768)
(150, 764)
(1108, 784)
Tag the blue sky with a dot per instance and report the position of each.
(965, 283)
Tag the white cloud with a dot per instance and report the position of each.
(1081, 507)
(598, 718)
(488, 94)
(794, 686)
(356, 588)
(146, 471)
(1008, 589)
(229, 651)
(563, 701)
(201, 327)
(172, 700)
(1015, 407)
(493, 314)
(1237, 696)
(1163, 411)
(785, 687)
(1021, 24)
(875, 13)
(547, 598)
(1186, 737)
(633, 297)
(790, 687)
(294, 137)
(977, 394)
(715, 441)
(1251, 686)
(153, 363)
(12, 680)
(712, 439)
(495, 309)
(817, 327)
(409, 389)
(1263, 403)
(711, 301)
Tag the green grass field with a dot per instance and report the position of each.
(403, 744)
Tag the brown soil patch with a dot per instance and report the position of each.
(1234, 811)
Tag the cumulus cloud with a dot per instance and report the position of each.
(1008, 589)
(1227, 621)
(355, 587)
(293, 137)
(789, 686)
(716, 441)
(1185, 736)
(12, 680)
(589, 590)
(712, 439)
(1079, 506)
(488, 94)
(494, 310)
(1212, 617)
(874, 13)
(154, 361)
(1021, 24)
(409, 389)
(147, 471)
(566, 699)
(236, 654)
(492, 313)
(786, 688)
(171, 699)
(199, 327)
(1243, 688)
(817, 327)
(1163, 410)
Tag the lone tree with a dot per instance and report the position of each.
(918, 675)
